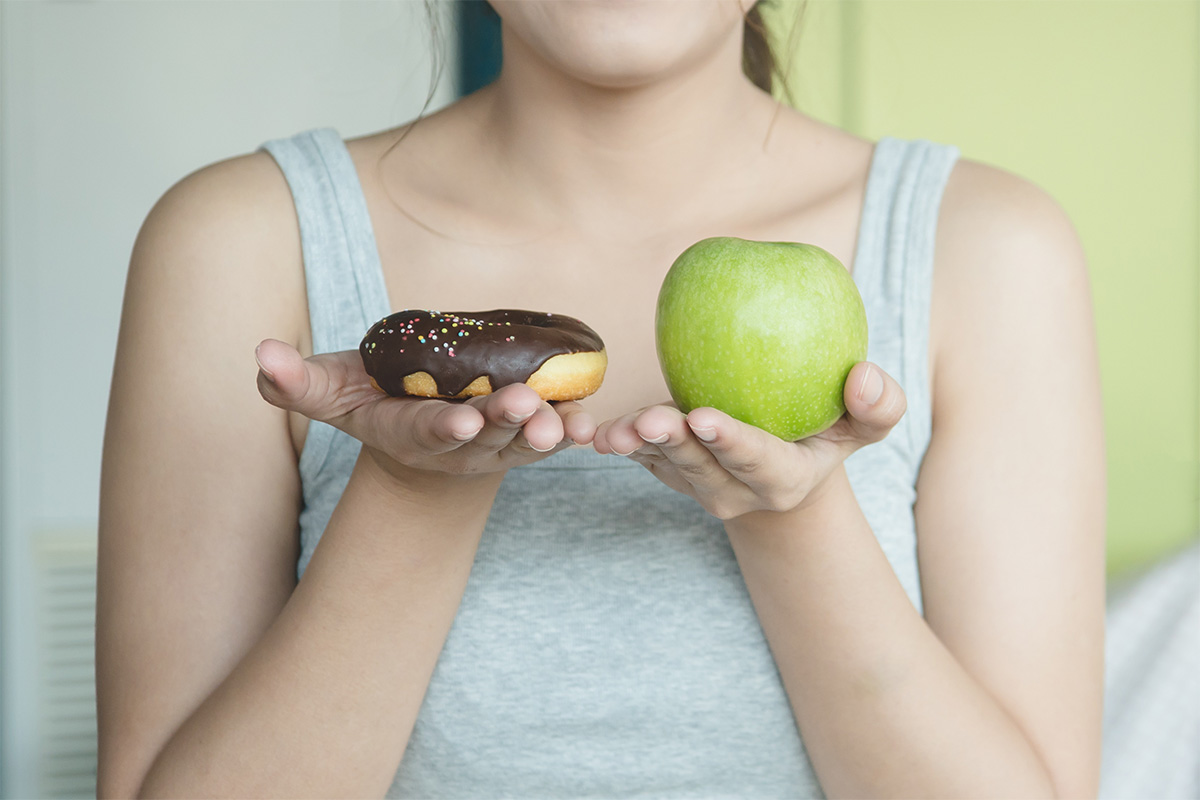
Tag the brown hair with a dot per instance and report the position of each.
(758, 60)
(761, 61)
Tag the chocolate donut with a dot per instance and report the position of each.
(465, 354)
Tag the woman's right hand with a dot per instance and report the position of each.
(488, 434)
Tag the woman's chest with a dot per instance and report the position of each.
(612, 286)
(610, 279)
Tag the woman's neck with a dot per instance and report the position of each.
(597, 158)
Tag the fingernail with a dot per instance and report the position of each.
(464, 437)
(659, 440)
(872, 386)
(540, 450)
(266, 372)
(705, 434)
(617, 452)
(511, 417)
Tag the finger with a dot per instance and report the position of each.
(283, 380)
(505, 410)
(875, 403)
(578, 425)
(419, 426)
(542, 432)
(752, 456)
(334, 388)
(617, 436)
(660, 425)
(667, 430)
(321, 387)
(600, 440)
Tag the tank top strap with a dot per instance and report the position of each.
(893, 266)
(346, 290)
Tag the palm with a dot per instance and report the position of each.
(483, 434)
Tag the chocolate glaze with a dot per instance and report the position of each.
(455, 348)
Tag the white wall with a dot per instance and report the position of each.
(103, 105)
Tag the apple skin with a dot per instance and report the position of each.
(765, 331)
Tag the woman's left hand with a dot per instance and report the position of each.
(733, 468)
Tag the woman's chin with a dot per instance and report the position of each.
(628, 74)
(619, 44)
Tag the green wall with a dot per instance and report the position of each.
(1098, 102)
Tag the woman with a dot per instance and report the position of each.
(908, 603)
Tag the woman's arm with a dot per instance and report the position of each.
(323, 704)
(998, 690)
(199, 491)
(217, 674)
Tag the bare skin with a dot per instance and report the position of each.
(570, 185)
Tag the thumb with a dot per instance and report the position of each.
(315, 387)
(874, 403)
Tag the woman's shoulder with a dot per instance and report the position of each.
(243, 193)
(1000, 231)
(983, 202)
(1009, 270)
(227, 228)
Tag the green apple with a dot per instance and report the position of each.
(765, 331)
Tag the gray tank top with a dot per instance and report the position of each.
(606, 644)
